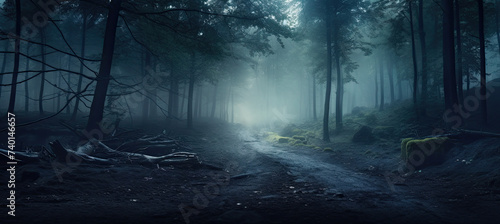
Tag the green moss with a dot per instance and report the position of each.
(403, 147)
(296, 140)
(432, 150)
(283, 140)
(302, 138)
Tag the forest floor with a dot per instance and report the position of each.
(252, 179)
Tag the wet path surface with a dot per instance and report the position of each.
(344, 195)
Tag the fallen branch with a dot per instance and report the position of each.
(20, 156)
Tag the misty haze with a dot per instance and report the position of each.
(250, 111)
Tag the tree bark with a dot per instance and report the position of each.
(184, 93)
(400, 88)
(484, 111)
(191, 91)
(460, 83)
(314, 98)
(69, 86)
(390, 73)
(82, 54)
(214, 101)
(414, 57)
(381, 76)
(59, 85)
(326, 133)
(173, 96)
(197, 104)
(146, 67)
(376, 89)
(42, 81)
(339, 104)
(12, 100)
(449, 76)
(4, 63)
(423, 49)
(497, 22)
(103, 77)
(232, 107)
(26, 89)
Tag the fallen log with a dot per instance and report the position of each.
(20, 156)
(115, 156)
(64, 155)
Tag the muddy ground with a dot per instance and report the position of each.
(243, 178)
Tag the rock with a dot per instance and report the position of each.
(363, 135)
(421, 153)
(302, 138)
(283, 140)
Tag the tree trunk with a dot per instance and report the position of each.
(326, 133)
(449, 76)
(184, 93)
(103, 77)
(4, 63)
(314, 99)
(423, 49)
(497, 22)
(460, 83)
(227, 102)
(467, 75)
(214, 101)
(17, 44)
(414, 57)
(482, 54)
(69, 86)
(199, 96)
(232, 107)
(42, 81)
(339, 104)
(26, 88)
(82, 54)
(391, 78)
(146, 65)
(59, 83)
(190, 94)
(173, 97)
(400, 88)
(376, 89)
(381, 76)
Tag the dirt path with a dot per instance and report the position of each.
(315, 187)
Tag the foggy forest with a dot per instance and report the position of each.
(250, 111)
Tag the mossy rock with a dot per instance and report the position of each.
(384, 132)
(302, 138)
(363, 135)
(283, 140)
(403, 147)
(421, 153)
